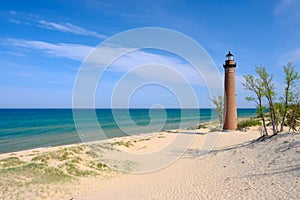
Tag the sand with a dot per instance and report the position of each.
(217, 165)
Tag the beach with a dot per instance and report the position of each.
(233, 165)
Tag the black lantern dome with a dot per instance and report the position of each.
(229, 56)
(229, 63)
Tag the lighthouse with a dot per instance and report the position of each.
(230, 110)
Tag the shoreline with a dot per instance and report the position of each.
(49, 128)
(205, 127)
(108, 139)
(76, 171)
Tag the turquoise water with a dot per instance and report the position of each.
(22, 129)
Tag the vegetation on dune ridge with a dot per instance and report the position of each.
(122, 143)
(63, 165)
(286, 111)
(245, 123)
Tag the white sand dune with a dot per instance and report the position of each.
(236, 169)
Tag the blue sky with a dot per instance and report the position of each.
(43, 44)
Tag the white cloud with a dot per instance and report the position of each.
(15, 21)
(160, 68)
(139, 58)
(128, 63)
(21, 18)
(139, 63)
(284, 5)
(69, 28)
(71, 51)
(288, 11)
(290, 56)
(13, 12)
(25, 74)
(12, 53)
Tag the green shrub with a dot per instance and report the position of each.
(200, 126)
(248, 123)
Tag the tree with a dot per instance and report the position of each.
(256, 86)
(293, 116)
(289, 91)
(268, 89)
(218, 101)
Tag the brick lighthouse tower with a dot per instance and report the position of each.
(230, 111)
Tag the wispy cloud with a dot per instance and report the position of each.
(15, 21)
(290, 56)
(71, 51)
(13, 12)
(69, 28)
(136, 60)
(25, 74)
(288, 10)
(12, 53)
(66, 27)
(137, 63)
(139, 66)
(282, 6)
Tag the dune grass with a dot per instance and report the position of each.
(49, 168)
(36, 172)
(122, 143)
(11, 162)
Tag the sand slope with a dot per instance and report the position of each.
(236, 168)
(261, 170)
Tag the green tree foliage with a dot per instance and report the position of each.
(218, 102)
(285, 112)
(293, 116)
(255, 85)
(290, 91)
(268, 89)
